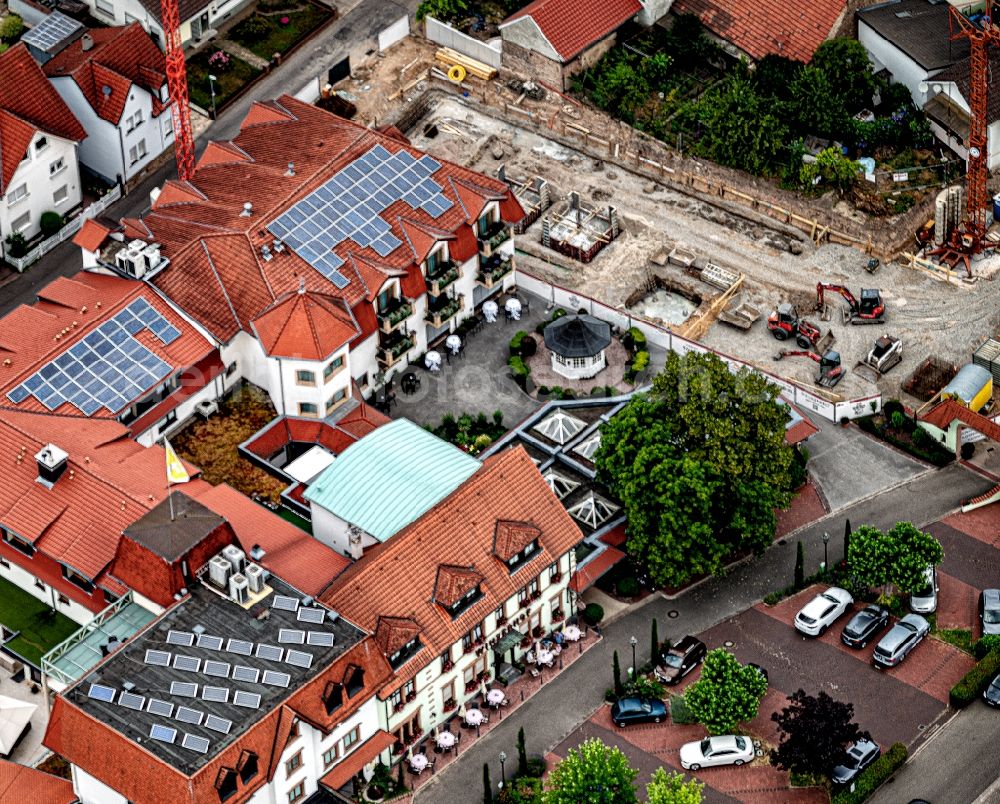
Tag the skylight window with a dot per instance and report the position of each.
(588, 447)
(593, 510)
(559, 426)
(561, 486)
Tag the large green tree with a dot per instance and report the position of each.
(670, 788)
(700, 464)
(896, 558)
(815, 731)
(592, 773)
(813, 106)
(848, 67)
(726, 694)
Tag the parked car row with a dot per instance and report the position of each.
(827, 607)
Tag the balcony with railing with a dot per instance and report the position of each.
(493, 269)
(490, 240)
(393, 349)
(394, 314)
(443, 276)
(439, 314)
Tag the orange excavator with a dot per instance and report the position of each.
(784, 323)
(830, 370)
(869, 310)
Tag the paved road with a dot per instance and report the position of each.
(958, 764)
(358, 22)
(571, 697)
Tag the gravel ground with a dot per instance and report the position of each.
(931, 317)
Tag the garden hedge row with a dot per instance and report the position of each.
(972, 684)
(872, 777)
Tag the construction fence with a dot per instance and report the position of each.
(830, 406)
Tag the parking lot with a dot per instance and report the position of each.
(904, 704)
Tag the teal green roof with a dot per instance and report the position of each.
(390, 477)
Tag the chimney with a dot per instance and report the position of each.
(86, 42)
(247, 210)
(291, 169)
(51, 464)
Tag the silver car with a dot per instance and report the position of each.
(989, 611)
(903, 637)
(925, 601)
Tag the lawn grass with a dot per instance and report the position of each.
(227, 83)
(281, 38)
(300, 522)
(41, 628)
(961, 638)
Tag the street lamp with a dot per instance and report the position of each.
(633, 642)
(211, 88)
(826, 557)
(503, 772)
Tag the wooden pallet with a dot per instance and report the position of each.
(719, 277)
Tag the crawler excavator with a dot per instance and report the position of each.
(869, 310)
(830, 370)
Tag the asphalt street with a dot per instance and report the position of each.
(571, 697)
(359, 21)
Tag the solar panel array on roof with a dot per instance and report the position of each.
(321, 639)
(132, 701)
(185, 714)
(51, 32)
(157, 707)
(191, 664)
(185, 689)
(291, 636)
(310, 615)
(164, 734)
(249, 700)
(101, 693)
(216, 694)
(299, 658)
(219, 669)
(219, 724)
(350, 205)
(210, 642)
(248, 674)
(285, 603)
(159, 658)
(276, 679)
(270, 652)
(194, 743)
(107, 369)
(240, 646)
(185, 638)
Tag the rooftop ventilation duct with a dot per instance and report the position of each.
(247, 210)
(51, 464)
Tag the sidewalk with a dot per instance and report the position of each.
(569, 699)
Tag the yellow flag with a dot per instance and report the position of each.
(176, 473)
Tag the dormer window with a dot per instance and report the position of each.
(515, 543)
(355, 681)
(402, 655)
(465, 601)
(521, 556)
(333, 697)
(76, 578)
(457, 587)
(247, 766)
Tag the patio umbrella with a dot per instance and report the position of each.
(15, 716)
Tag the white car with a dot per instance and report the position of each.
(822, 611)
(727, 750)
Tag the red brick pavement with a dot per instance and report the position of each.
(958, 603)
(982, 524)
(806, 507)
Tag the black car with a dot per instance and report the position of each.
(634, 709)
(992, 693)
(680, 660)
(858, 757)
(864, 625)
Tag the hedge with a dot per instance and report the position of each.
(990, 642)
(972, 684)
(679, 712)
(639, 364)
(593, 614)
(872, 777)
(930, 450)
(515, 343)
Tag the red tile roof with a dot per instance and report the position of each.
(67, 310)
(19, 783)
(217, 274)
(943, 414)
(305, 325)
(355, 424)
(394, 582)
(453, 583)
(587, 575)
(763, 27)
(511, 538)
(572, 25)
(290, 553)
(28, 103)
(91, 235)
(118, 58)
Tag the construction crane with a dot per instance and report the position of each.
(968, 238)
(177, 85)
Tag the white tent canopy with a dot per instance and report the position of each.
(15, 716)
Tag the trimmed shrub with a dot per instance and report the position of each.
(869, 780)
(568, 393)
(528, 346)
(972, 684)
(897, 419)
(990, 642)
(593, 614)
(559, 312)
(679, 712)
(638, 338)
(627, 586)
(253, 29)
(17, 246)
(641, 361)
(892, 406)
(543, 390)
(515, 343)
(536, 766)
(11, 27)
(50, 223)
(519, 371)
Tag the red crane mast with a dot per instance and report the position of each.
(177, 85)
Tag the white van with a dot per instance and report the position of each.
(924, 601)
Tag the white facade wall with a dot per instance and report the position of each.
(335, 533)
(904, 70)
(525, 32)
(25, 580)
(123, 12)
(184, 411)
(432, 685)
(36, 175)
(93, 791)
(949, 89)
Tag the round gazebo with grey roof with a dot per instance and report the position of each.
(577, 344)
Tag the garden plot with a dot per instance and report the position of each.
(780, 264)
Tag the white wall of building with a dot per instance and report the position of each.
(123, 12)
(335, 533)
(93, 791)
(903, 69)
(42, 175)
(184, 411)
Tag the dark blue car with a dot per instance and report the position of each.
(634, 709)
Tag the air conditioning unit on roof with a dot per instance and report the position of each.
(219, 570)
(130, 260)
(256, 576)
(236, 557)
(239, 588)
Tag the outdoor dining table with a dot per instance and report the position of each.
(475, 717)
(445, 740)
(490, 311)
(454, 343)
(495, 697)
(418, 762)
(433, 361)
(513, 309)
(545, 657)
(572, 633)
